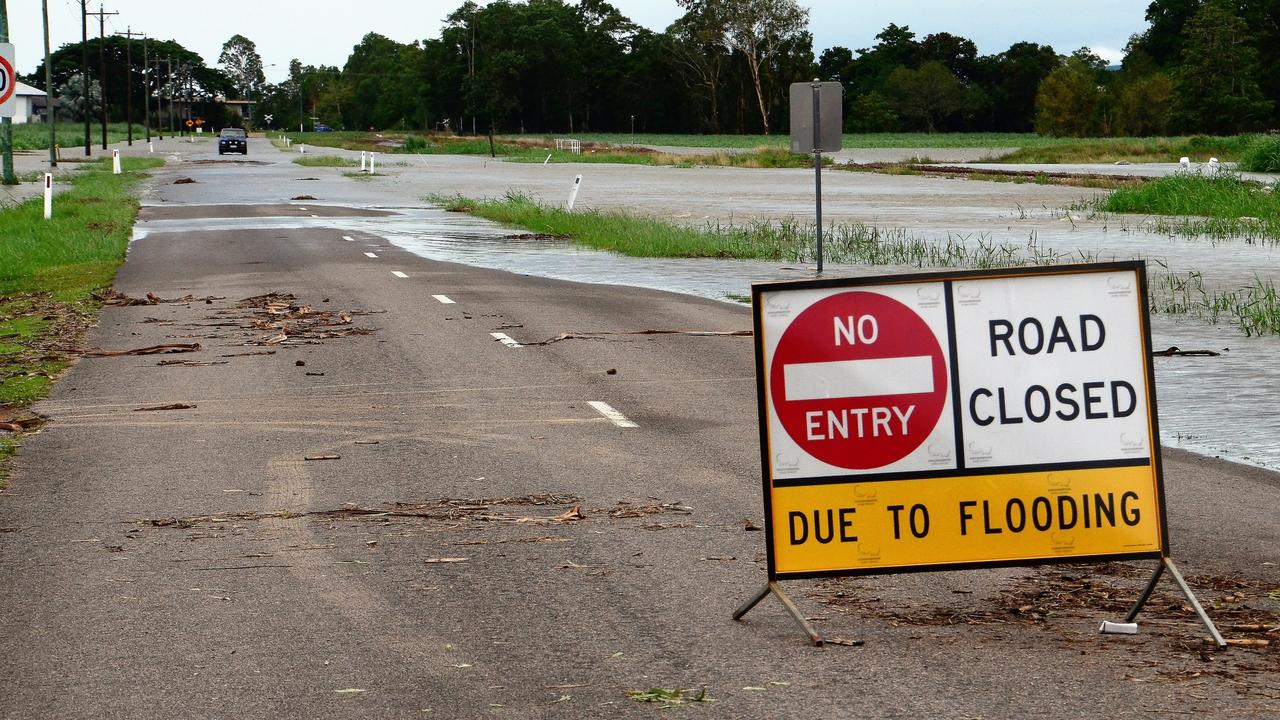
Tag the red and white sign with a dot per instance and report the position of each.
(858, 381)
(8, 81)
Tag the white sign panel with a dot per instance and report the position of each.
(8, 81)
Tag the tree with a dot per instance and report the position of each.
(243, 66)
(871, 113)
(958, 54)
(71, 101)
(1011, 81)
(758, 30)
(1216, 85)
(1142, 105)
(1067, 103)
(930, 94)
(699, 47)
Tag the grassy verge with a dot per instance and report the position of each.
(1017, 177)
(851, 140)
(35, 136)
(1195, 206)
(48, 273)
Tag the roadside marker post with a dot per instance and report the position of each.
(573, 194)
(48, 196)
(115, 162)
(302, 148)
(151, 147)
(372, 162)
(362, 160)
(957, 420)
(817, 126)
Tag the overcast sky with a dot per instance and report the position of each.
(324, 31)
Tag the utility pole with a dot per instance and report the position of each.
(48, 89)
(84, 72)
(102, 64)
(159, 103)
(146, 88)
(129, 35)
(6, 124)
(169, 61)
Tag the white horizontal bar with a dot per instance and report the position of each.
(398, 274)
(506, 339)
(859, 378)
(348, 238)
(370, 255)
(613, 415)
(444, 300)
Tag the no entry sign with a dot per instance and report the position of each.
(8, 81)
(958, 420)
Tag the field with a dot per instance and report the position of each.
(773, 151)
(35, 136)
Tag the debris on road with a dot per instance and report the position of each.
(191, 363)
(322, 457)
(670, 697)
(1175, 351)
(184, 181)
(166, 349)
(603, 335)
(444, 560)
(174, 406)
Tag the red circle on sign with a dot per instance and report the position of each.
(851, 414)
(11, 81)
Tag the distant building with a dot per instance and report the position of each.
(31, 104)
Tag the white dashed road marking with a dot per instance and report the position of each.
(613, 415)
(506, 339)
(398, 274)
(444, 299)
(370, 255)
(348, 238)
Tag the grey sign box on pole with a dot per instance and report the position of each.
(830, 124)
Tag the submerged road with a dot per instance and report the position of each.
(404, 488)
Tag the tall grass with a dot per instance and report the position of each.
(1262, 155)
(324, 161)
(1110, 150)
(1223, 196)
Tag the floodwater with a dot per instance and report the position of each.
(1221, 406)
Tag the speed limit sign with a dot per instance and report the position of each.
(8, 81)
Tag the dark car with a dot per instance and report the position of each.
(233, 140)
(321, 127)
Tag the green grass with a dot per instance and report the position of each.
(1134, 150)
(35, 136)
(1217, 207)
(49, 271)
(1263, 155)
(786, 239)
(324, 161)
(1254, 308)
(851, 141)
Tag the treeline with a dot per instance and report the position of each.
(551, 66)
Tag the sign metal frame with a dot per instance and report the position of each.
(1152, 459)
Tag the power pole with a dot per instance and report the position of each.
(172, 125)
(102, 64)
(84, 72)
(129, 35)
(159, 102)
(6, 124)
(48, 89)
(146, 87)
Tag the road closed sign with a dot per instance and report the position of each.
(953, 420)
(8, 81)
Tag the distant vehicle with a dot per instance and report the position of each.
(233, 140)
(321, 127)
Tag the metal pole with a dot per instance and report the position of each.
(146, 88)
(817, 163)
(48, 89)
(102, 67)
(172, 126)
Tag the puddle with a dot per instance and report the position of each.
(1219, 406)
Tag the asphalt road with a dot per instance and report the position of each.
(483, 542)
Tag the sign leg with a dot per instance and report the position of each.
(1166, 563)
(1195, 604)
(775, 588)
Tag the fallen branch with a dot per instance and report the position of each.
(152, 350)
